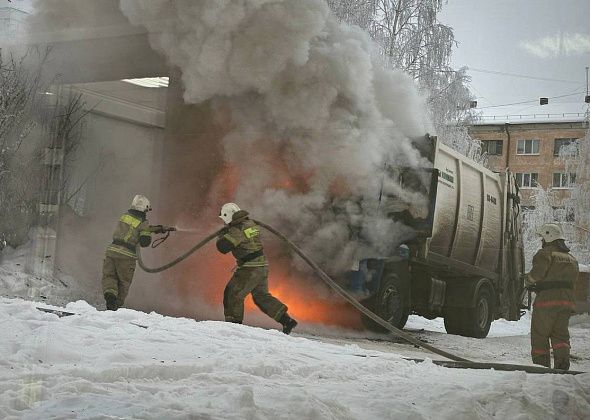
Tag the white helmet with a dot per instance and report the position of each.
(550, 232)
(141, 203)
(227, 212)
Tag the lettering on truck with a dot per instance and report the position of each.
(446, 178)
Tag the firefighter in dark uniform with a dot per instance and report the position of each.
(120, 257)
(242, 239)
(552, 278)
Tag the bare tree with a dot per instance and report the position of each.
(20, 84)
(35, 126)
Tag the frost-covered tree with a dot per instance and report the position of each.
(576, 208)
(408, 32)
(450, 102)
(410, 37)
(548, 208)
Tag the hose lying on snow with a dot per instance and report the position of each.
(350, 299)
(457, 362)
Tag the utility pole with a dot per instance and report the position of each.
(587, 99)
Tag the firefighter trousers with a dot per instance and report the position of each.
(550, 325)
(117, 275)
(248, 280)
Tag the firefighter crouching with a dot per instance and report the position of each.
(552, 278)
(242, 238)
(120, 258)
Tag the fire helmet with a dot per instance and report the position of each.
(550, 232)
(227, 211)
(141, 203)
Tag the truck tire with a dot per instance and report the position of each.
(390, 303)
(473, 322)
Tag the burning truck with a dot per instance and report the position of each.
(466, 260)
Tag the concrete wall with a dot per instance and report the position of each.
(119, 155)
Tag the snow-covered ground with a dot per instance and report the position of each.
(103, 365)
(98, 365)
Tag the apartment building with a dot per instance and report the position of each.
(531, 151)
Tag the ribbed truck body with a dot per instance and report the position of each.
(466, 261)
(468, 218)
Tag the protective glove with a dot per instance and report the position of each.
(162, 229)
(526, 279)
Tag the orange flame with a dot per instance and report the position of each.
(298, 291)
(301, 297)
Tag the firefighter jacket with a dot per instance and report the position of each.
(554, 274)
(132, 229)
(242, 238)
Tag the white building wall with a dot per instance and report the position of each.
(119, 156)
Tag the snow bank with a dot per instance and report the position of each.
(102, 365)
(499, 328)
(59, 290)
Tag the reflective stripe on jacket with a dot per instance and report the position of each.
(128, 232)
(550, 264)
(243, 239)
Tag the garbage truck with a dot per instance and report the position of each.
(465, 261)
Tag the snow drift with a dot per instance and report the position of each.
(100, 365)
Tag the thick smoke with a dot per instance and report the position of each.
(315, 121)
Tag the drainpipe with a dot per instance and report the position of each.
(507, 146)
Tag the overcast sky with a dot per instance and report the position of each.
(538, 38)
(545, 39)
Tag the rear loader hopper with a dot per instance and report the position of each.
(466, 260)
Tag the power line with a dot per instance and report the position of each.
(530, 101)
(523, 76)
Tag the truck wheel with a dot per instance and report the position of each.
(390, 303)
(480, 318)
(473, 322)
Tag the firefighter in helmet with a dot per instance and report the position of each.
(120, 259)
(242, 238)
(552, 278)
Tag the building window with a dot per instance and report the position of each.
(559, 143)
(527, 179)
(563, 180)
(491, 147)
(527, 147)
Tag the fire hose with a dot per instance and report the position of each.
(457, 362)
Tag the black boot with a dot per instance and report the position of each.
(288, 323)
(111, 301)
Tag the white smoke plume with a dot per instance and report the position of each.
(314, 119)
